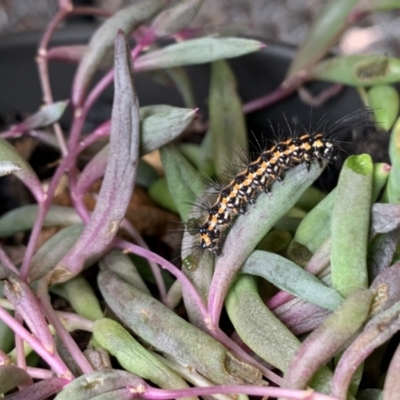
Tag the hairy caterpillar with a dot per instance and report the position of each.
(258, 176)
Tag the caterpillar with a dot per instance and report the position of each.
(243, 189)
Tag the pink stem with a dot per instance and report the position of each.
(44, 71)
(153, 266)
(66, 163)
(39, 373)
(166, 394)
(30, 250)
(75, 322)
(55, 362)
(284, 90)
(149, 255)
(19, 344)
(64, 335)
(43, 208)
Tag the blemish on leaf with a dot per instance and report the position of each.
(381, 296)
(92, 385)
(367, 71)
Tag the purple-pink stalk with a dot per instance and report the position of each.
(67, 9)
(53, 360)
(64, 335)
(149, 255)
(39, 373)
(162, 290)
(151, 393)
(19, 343)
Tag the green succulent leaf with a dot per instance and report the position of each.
(359, 70)
(384, 100)
(392, 192)
(350, 225)
(227, 126)
(23, 218)
(196, 51)
(291, 278)
(132, 356)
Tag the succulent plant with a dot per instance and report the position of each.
(309, 280)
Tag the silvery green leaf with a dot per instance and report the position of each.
(196, 51)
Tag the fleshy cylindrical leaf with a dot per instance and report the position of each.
(172, 335)
(310, 198)
(11, 376)
(183, 180)
(89, 385)
(350, 225)
(52, 251)
(121, 265)
(117, 187)
(226, 125)
(315, 227)
(291, 278)
(392, 193)
(257, 326)
(328, 339)
(381, 176)
(81, 296)
(111, 336)
(381, 251)
(377, 331)
(360, 70)
(160, 193)
(306, 240)
(23, 218)
(299, 316)
(384, 100)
